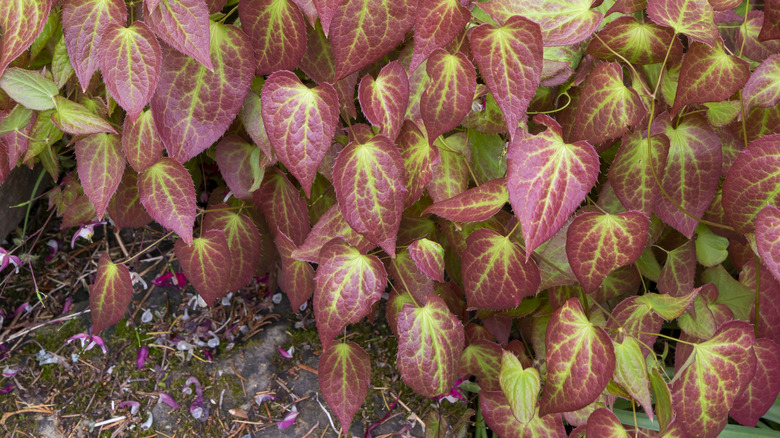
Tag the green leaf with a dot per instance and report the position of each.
(419, 158)
(110, 295)
(663, 399)
(711, 249)
(631, 371)
(676, 277)
(77, 119)
(520, 386)
(450, 176)
(580, 360)
(16, 120)
(731, 292)
(430, 342)
(29, 88)
(667, 306)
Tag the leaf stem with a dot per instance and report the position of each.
(660, 335)
(631, 66)
(136, 255)
(465, 160)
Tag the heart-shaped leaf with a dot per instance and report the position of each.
(430, 342)
(599, 243)
(300, 123)
(206, 263)
(607, 107)
(496, 273)
(369, 182)
(752, 183)
(297, 278)
(498, 416)
(344, 375)
(348, 283)
(100, 165)
(604, 423)
(580, 360)
(384, 99)
(637, 320)
(760, 394)
(130, 60)
(705, 388)
(639, 42)
(408, 277)
(450, 91)
(694, 18)
(277, 31)
(419, 157)
(429, 258)
(283, 206)
(693, 167)
(192, 105)
(547, 179)
(22, 22)
(125, 206)
(168, 195)
(141, 143)
(763, 87)
(563, 22)
(436, 24)
(482, 359)
(631, 175)
(110, 295)
(363, 31)
(84, 24)
(473, 205)
(243, 240)
(509, 58)
(184, 24)
(709, 74)
(520, 386)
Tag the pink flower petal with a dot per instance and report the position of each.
(287, 354)
(289, 419)
(140, 359)
(168, 400)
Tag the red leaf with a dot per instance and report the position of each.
(436, 24)
(326, 9)
(597, 244)
(100, 164)
(768, 238)
(277, 31)
(474, 205)
(300, 123)
(639, 42)
(363, 31)
(705, 388)
(498, 416)
(760, 394)
(84, 23)
(562, 22)
(283, 206)
(637, 319)
(297, 278)
(168, 194)
(383, 100)
(243, 240)
(496, 272)
(580, 360)
(693, 167)
(419, 157)
(110, 295)
(22, 22)
(450, 91)
(510, 62)
(408, 277)
(752, 182)
(547, 179)
(630, 173)
(607, 108)
(603, 423)
(193, 106)
(430, 342)
(348, 284)
(677, 275)
(709, 75)
(482, 359)
(763, 88)
(184, 24)
(125, 207)
(450, 175)
(206, 263)
(235, 159)
(130, 60)
(140, 142)
(755, 47)
(694, 18)
(429, 258)
(369, 182)
(330, 226)
(769, 300)
(344, 374)
(770, 29)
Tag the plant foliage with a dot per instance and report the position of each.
(599, 180)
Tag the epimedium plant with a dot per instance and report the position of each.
(543, 187)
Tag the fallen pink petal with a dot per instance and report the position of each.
(168, 400)
(133, 405)
(289, 419)
(140, 359)
(287, 354)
